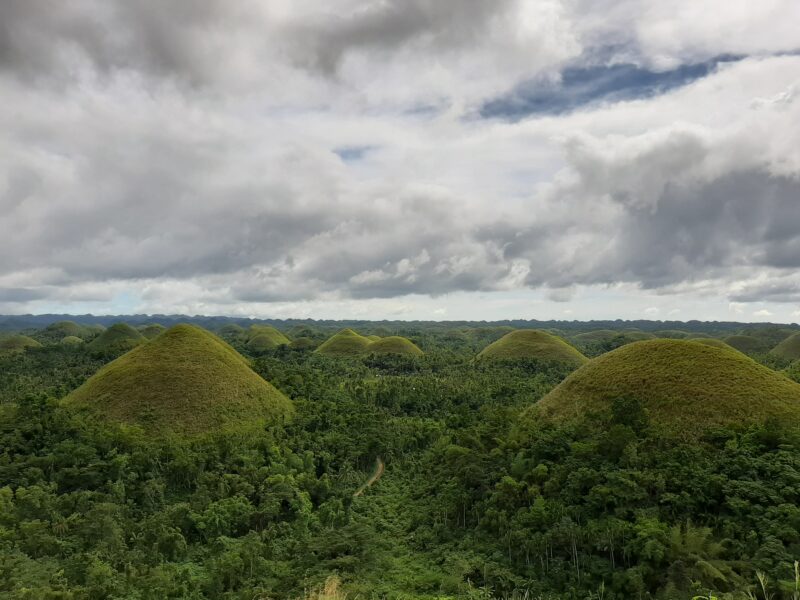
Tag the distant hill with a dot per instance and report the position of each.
(394, 344)
(17, 343)
(186, 381)
(789, 348)
(531, 343)
(152, 330)
(686, 387)
(265, 337)
(120, 337)
(345, 343)
(746, 343)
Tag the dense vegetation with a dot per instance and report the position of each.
(470, 497)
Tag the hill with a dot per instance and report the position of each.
(61, 329)
(345, 343)
(268, 334)
(788, 348)
(303, 343)
(394, 344)
(71, 340)
(373, 338)
(262, 343)
(686, 387)
(745, 343)
(17, 343)
(151, 331)
(532, 343)
(120, 337)
(187, 381)
(712, 342)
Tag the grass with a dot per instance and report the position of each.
(345, 343)
(262, 342)
(532, 343)
(746, 343)
(394, 344)
(186, 381)
(17, 343)
(231, 330)
(788, 348)
(118, 337)
(152, 331)
(71, 340)
(275, 336)
(712, 342)
(686, 387)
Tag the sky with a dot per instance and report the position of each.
(401, 159)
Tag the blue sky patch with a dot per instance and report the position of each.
(582, 87)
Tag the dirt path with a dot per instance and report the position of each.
(376, 474)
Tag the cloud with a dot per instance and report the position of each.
(203, 156)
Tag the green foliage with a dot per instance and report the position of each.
(394, 344)
(686, 388)
(153, 330)
(746, 344)
(71, 340)
(267, 334)
(532, 344)
(187, 381)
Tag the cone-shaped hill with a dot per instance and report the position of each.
(745, 343)
(712, 342)
(394, 344)
(532, 343)
(17, 343)
(153, 330)
(61, 329)
(788, 348)
(373, 338)
(71, 340)
(187, 381)
(686, 388)
(120, 337)
(269, 337)
(345, 343)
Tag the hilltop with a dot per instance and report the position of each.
(17, 343)
(789, 348)
(186, 380)
(267, 338)
(686, 387)
(394, 344)
(345, 343)
(120, 337)
(532, 343)
(745, 343)
(152, 330)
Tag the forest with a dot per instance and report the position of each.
(399, 461)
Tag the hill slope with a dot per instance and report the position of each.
(345, 343)
(745, 343)
(532, 343)
(16, 343)
(187, 381)
(394, 344)
(119, 337)
(685, 386)
(788, 348)
(269, 337)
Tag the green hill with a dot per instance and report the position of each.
(120, 337)
(602, 336)
(71, 340)
(373, 338)
(686, 387)
(345, 343)
(532, 343)
(745, 343)
(61, 329)
(788, 348)
(712, 342)
(303, 343)
(17, 343)
(262, 343)
(187, 381)
(672, 334)
(394, 344)
(231, 330)
(151, 331)
(274, 336)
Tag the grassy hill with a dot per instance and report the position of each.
(532, 343)
(151, 331)
(120, 337)
(187, 381)
(71, 340)
(61, 329)
(788, 348)
(712, 342)
(373, 338)
(17, 343)
(262, 343)
(686, 387)
(303, 343)
(275, 337)
(394, 344)
(745, 343)
(345, 343)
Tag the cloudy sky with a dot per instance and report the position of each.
(401, 159)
